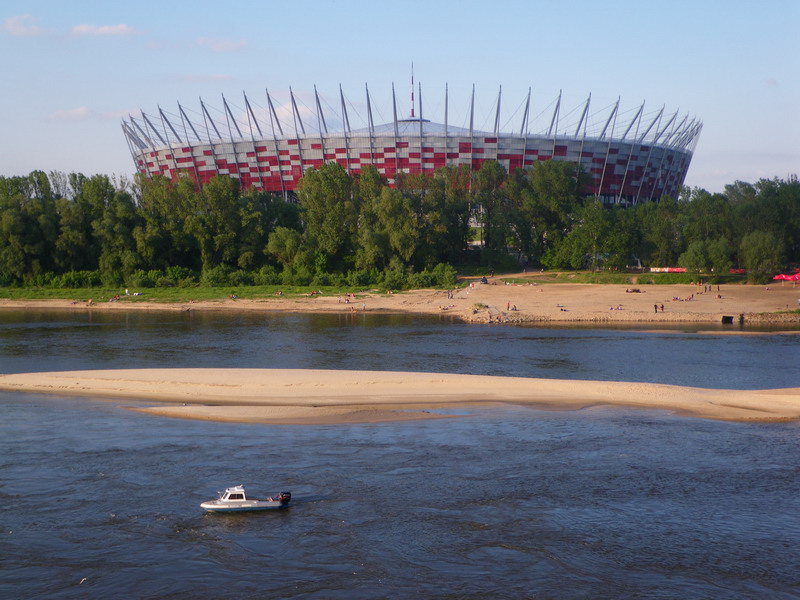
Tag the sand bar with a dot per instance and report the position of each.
(300, 396)
(527, 300)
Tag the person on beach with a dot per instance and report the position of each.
(656, 307)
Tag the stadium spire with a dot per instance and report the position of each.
(412, 89)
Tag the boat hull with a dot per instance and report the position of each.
(246, 506)
(234, 499)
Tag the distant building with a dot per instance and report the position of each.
(630, 156)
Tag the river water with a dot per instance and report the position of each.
(508, 503)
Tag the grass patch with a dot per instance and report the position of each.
(174, 294)
(617, 278)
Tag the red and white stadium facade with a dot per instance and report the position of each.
(630, 156)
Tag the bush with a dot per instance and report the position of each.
(394, 279)
(425, 279)
(267, 275)
(111, 279)
(296, 275)
(139, 279)
(337, 279)
(180, 275)
(359, 278)
(241, 278)
(77, 279)
(38, 280)
(165, 282)
(444, 275)
(218, 276)
(321, 280)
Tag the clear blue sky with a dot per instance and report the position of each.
(72, 70)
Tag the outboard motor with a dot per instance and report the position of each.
(284, 498)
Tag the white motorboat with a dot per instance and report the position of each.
(234, 499)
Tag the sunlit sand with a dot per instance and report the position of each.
(299, 396)
(527, 302)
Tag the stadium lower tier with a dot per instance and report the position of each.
(619, 171)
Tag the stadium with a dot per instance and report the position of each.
(629, 155)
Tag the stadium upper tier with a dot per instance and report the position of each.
(629, 156)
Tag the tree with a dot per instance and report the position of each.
(113, 231)
(706, 216)
(548, 204)
(454, 183)
(584, 245)
(330, 211)
(696, 258)
(215, 222)
(284, 244)
(162, 238)
(396, 219)
(488, 196)
(719, 255)
(28, 228)
(76, 246)
(663, 234)
(762, 254)
(619, 245)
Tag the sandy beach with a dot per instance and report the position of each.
(499, 302)
(301, 396)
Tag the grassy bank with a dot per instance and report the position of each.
(198, 293)
(169, 294)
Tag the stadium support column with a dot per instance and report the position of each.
(321, 125)
(396, 134)
(675, 135)
(664, 149)
(497, 123)
(164, 123)
(130, 137)
(206, 119)
(636, 119)
(346, 122)
(228, 119)
(613, 116)
(523, 130)
(149, 125)
(184, 120)
(371, 125)
(649, 152)
(421, 134)
(149, 142)
(554, 124)
(296, 118)
(582, 122)
(251, 118)
(273, 120)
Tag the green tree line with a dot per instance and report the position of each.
(70, 230)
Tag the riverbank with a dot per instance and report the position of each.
(307, 396)
(498, 301)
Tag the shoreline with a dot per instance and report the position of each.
(320, 397)
(501, 303)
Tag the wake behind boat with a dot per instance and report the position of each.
(234, 499)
